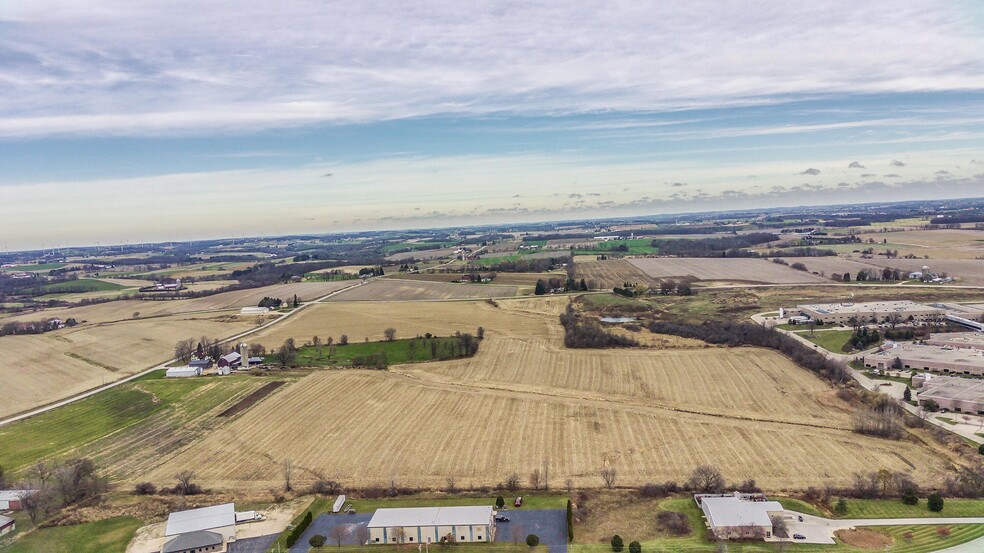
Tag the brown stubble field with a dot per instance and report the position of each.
(387, 289)
(731, 269)
(524, 400)
(40, 369)
(940, 243)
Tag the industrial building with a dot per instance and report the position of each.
(867, 313)
(432, 524)
(200, 530)
(960, 395)
(961, 340)
(739, 516)
(939, 359)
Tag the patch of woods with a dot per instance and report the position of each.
(725, 246)
(377, 355)
(57, 486)
(583, 332)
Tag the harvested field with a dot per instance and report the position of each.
(607, 274)
(943, 243)
(362, 320)
(421, 254)
(404, 290)
(969, 271)
(733, 269)
(124, 310)
(481, 433)
(40, 369)
(653, 415)
(829, 265)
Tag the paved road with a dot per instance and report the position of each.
(323, 525)
(237, 337)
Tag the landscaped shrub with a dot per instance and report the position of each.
(840, 509)
(909, 497)
(635, 547)
(980, 449)
(499, 502)
(532, 540)
(570, 521)
(935, 502)
(298, 530)
(617, 543)
(317, 540)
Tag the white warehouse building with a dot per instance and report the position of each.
(430, 524)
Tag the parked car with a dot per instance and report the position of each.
(799, 537)
(501, 518)
(519, 501)
(801, 518)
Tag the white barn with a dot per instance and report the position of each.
(218, 519)
(183, 372)
(431, 524)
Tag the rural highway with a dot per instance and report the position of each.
(135, 376)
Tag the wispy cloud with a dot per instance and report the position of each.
(138, 68)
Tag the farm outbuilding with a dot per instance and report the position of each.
(217, 519)
(11, 500)
(7, 525)
(231, 360)
(739, 516)
(432, 525)
(183, 372)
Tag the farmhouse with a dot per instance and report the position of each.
(11, 500)
(871, 312)
(7, 525)
(432, 525)
(960, 395)
(738, 516)
(941, 359)
(205, 529)
(183, 372)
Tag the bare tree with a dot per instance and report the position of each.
(706, 479)
(338, 533)
(517, 533)
(40, 471)
(512, 482)
(609, 475)
(400, 534)
(287, 470)
(390, 334)
(184, 349)
(535, 479)
(452, 485)
(184, 481)
(362, 534)
(569, 484)
(316, 344)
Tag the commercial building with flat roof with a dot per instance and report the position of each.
(870, 312)
(940, 359)
(963, 340)
(739, 516)
(432, 525)
(220, 519)
(960, 395)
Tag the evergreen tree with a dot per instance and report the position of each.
(935, 502)
(541, 288)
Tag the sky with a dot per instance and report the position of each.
(129, 121)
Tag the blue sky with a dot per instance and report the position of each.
(131, 121)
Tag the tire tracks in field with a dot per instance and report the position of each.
(619, 403)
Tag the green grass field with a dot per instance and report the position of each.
(82, 285)
(415, 246)
(410, 350)
(106, 536)
(606, 300)
(887, 508)
(830, 340)
(67, 428)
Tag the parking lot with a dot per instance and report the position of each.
(323, 525)
(549, 524)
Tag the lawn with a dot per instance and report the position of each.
(606, 300)
(106, 536)
(830, 340)
(799, 506)
(74, 425)
(81, 285)
(889, 508)
(409, 350)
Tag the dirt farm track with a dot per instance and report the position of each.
(525, 401)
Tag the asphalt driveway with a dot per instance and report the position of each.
(323, 525)
(549, 524)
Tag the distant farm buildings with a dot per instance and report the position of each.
(432, 525)
(183, 372)
(254, 311)
(168, 285)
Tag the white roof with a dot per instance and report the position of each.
(5, 521)
(232, 357)
(182, 370)
(7, 495)
(205, 518)
(731, 511)
(431, 516)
